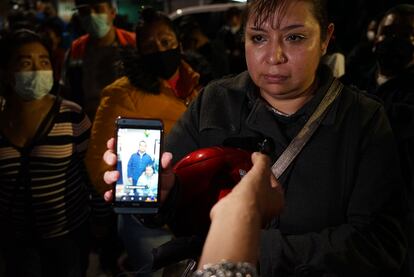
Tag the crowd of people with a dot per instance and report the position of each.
(341, 206)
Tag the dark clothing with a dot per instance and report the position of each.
(358, 62)
(343, 191)
(215, 53)
(234, 46)
(64, 256)
(210, 61)
(397, 95)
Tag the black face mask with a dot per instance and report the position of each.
(163, 64)
(393, 55)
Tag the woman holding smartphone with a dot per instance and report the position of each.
(157, 84)
(344, 191)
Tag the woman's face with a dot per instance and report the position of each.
(282, 58)
(157, 37)
(31, 57)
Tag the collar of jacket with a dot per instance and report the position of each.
(187, 83)
(243, 82)
(77, 50)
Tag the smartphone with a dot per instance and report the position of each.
(138, 147)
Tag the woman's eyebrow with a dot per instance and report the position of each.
(24, 56)
(292, 26)
(286, 28)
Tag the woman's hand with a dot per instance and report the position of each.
(110, 177)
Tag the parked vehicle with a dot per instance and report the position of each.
(210, 17)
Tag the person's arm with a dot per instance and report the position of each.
(372, 241)
(236, 220)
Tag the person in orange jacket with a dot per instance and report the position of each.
(158, 83)
(93, 59)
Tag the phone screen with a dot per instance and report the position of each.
(138, 148)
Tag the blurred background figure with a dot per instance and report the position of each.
(391, 78)
(54, 29)
(74, 27)
(230, 35)
(21, 18)
(361, 58)
(44, 195)
(158, 83)
(93, 59)
(207, 57)
(93, 62)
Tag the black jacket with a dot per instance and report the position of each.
(343, 191)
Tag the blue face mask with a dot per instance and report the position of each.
(33, 85)
(96, 25)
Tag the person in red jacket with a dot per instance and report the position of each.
(93, 59)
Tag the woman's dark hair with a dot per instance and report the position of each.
(150, 16)
(12, 41)
(134, 67)
(264, 10)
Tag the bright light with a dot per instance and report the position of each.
(179, 11)
(242, 1)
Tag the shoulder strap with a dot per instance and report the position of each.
(298, 142)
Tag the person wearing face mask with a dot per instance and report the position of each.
(391, 78)
(157, 84)
(92, 60)
(44, 206)
(393, 81)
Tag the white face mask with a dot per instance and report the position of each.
(32, 85)
(96, 24)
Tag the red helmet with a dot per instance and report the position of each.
(205, 176)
